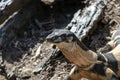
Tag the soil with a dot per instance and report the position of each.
(19, 59)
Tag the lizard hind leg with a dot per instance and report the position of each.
(109, 46)
(111, 75)
(115, 40)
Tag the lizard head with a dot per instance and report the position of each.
(59, 36)
(64, 38)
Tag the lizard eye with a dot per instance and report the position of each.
(70, 39)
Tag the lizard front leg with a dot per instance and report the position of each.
(74, 74)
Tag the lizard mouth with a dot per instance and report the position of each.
(59, 39)
(51, 39)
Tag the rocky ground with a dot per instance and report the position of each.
(19, 59)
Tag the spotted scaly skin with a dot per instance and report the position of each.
(91, 65)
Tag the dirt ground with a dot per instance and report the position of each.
(19, 61)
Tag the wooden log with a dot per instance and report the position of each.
(52, 2)
(8, 7)
(15, 23)
(81, 24)
(85, 21)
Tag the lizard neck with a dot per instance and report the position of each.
(73, 52)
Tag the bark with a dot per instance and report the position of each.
(16, 22)
(8, 7)
(86, 21)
